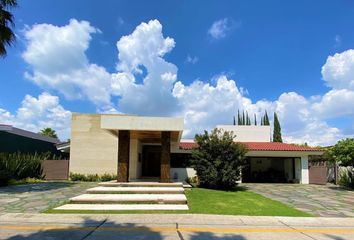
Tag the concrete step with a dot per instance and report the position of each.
(123, 190)
(112, 207)
(140, 184)
(126, 198)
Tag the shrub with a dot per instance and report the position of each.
(346, 178)
(5, 177)
(108, 177)
(24, 181)
(78, 177)
(22, 165)
(218, 160)
(92, 177)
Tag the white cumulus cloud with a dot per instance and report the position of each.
(220, 28)
(57, 59)
(145, 47)
(36, 113)
(146, 83)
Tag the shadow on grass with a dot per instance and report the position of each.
(36, 187)
(235, 189)
(90, 229)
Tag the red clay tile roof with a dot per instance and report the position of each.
(261, 146)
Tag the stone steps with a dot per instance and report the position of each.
(130, 198)
(135, 190)
(110, 196)
(139, 184)
(122, 207)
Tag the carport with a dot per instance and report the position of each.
(273, 162)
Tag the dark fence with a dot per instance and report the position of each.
(55, 169)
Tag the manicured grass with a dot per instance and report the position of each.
(206, 201)
(241, 202)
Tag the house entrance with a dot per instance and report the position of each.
(151, 161)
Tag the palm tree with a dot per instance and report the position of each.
(7, 37)
(49, 132)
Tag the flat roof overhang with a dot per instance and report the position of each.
(147, 129)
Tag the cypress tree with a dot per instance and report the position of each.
(255, 120)
(277, 130)
(243, 117)
(234, 120)
(266, 119)
(239, 122)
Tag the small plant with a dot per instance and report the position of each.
(108, 177)
(92, 177)
(193, 181)
(24, 181)
(78, 177)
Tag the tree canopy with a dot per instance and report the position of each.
(49, 132)
(343, 152)
(7, 36)
(218, 160)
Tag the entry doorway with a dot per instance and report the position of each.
(151, 161)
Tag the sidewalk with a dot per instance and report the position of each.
(171, 226)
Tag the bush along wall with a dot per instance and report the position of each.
(21, 165)
(92, 177)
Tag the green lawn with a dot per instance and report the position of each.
(240, 202)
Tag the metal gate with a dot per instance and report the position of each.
(318, 174)
(55, 169)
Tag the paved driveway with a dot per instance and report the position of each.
(319, 200)
(34, 198)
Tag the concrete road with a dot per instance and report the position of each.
(170, 226)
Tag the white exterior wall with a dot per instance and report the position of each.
(304, 169)
(248, 133)
(182, 173)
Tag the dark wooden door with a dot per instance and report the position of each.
(151, 161)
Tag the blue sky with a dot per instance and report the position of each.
(253, 55)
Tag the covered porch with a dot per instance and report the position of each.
(144, 145)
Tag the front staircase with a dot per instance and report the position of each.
(130, 196)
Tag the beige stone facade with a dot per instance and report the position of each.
(94, 141)
(92, 149)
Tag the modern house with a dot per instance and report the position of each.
(139, 147)
(14, 139)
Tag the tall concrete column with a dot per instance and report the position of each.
(123, 155)
(165, 156)
(304, 169)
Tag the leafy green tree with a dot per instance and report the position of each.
(277, 130)
(7, 36)
(218, 160)
(343, 152)
(49, 132)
